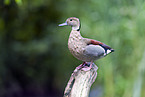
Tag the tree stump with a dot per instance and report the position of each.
(80, 82)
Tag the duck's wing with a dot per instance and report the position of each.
(107, 48)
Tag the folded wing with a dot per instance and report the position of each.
(107, 48)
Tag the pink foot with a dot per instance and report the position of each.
(84, 67)
(81, 66)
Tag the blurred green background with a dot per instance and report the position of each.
(35, 60)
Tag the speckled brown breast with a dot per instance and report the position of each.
(77, 46)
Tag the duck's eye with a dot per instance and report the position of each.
(70, 19)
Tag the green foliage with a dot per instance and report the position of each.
(19, 2)
(6, 2)
(34, 58)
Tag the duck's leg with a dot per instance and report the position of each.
(86, 68)
(81, 66)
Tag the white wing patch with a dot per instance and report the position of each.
(108, 51)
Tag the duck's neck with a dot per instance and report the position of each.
(75, 34)
(77, 27)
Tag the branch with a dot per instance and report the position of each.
(80, 82)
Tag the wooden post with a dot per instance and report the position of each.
(80, 82)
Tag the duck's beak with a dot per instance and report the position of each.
(63, 24)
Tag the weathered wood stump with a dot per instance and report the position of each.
(80, 82)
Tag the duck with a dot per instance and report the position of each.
(84, 49)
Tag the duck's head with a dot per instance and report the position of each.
(73, 22)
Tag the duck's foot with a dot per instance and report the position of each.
(81, 66)
(86, 66)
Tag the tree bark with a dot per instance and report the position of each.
(80, 82)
